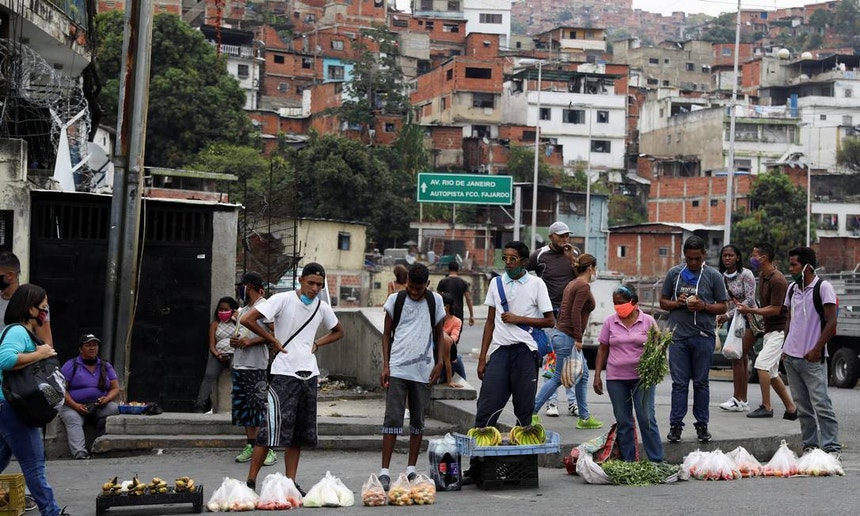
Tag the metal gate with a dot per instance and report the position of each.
(69, 237)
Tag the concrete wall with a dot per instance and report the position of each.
(15, 196)
(358, 356)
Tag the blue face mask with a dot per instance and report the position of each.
(754, 264)
(516, 272)
(306, 300)
(690, 277)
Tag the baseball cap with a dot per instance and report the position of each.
(252, 278)
(559, 228)
(313, 268)
(87, 337)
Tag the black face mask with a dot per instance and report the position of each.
(3, 284)
(89, 361)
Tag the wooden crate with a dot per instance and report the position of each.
(12, 495)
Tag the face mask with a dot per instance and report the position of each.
(3, 284)
(730, 276)
(798, 278)
(306, 300)
(754, 264)
(690, 277)
(89, 361)
(593, 277)
(624, 310)
(42, 317)
(224, 316)
(516, 272)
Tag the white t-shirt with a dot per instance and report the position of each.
(288, 314)
(527, 296)
(411, 356)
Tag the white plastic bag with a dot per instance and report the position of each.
(716, 465)
(422, 490)
(782, 464)
(573, 369)
(589, 470)
(819, 463)
(329, 492)
(372, 493)
(733, 348)
(232, 496)
(690, 465)
(278, 493)
(747, 464)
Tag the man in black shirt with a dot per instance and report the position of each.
(458, 288)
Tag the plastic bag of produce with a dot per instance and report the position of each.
(747, 464)
(782, 464)
(398, 493)
(329, 492)
(573, 369)
(278, 493)
(690, 465)
(422, 490)
(716, 465)
(733, 346)
(818, 463)
(590, 471)
(232, 496)
(372, 493)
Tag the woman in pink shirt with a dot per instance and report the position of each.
(622, 340)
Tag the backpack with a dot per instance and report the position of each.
(816, 301)
(398, 310)
(540, 337)
(37, 391)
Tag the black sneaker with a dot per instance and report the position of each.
(385, 480)
(30, 503)
(674, 433)
(760, 412)
(301, 491)
(410, 477)
(702, 434)
(791, 416)
(251, 483)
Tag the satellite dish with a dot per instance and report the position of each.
(98, 158)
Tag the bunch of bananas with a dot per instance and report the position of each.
(184, 484)
(137, 487)
(158, 485)
(529, 435)
(112, 487)
(486, 436)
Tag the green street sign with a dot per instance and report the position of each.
(465, 188)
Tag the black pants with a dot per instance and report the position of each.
(511, 372)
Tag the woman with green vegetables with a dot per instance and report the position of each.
(622, 353)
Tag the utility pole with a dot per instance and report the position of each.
(122, 265)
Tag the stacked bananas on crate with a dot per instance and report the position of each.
(137, 487)
(184, 484)
(158, 485)
(112, 487)
(529, 435)
(486, 436)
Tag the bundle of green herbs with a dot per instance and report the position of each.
(641, 473)
(654, 364)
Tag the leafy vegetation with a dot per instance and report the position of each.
(777, 216)
(195, 102)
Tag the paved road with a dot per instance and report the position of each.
(77, 483)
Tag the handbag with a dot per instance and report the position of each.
(540, 337)
(37, 391)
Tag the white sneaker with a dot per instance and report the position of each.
(735, 405)
(552, 410)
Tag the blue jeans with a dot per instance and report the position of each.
(626, 396)
(511, 373)
(690, 360)
(563, 345)
(808, 383)
(568, 391)
(25, 443)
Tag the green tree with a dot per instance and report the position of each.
(376, 83)
(193, 103)
(849, 154)
(820, 19)
(338, 178)
(845, 19)
(626, 209)
(244, 161)
(521, 165)
(777, 215)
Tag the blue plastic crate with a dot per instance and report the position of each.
(132, 409)
(466, 446)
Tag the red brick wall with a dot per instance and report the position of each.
(447, 137)
(641, 253)
(838, 254)
(475, 46)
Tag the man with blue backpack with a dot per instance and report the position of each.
(811, 303)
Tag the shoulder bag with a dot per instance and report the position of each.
(36, 392)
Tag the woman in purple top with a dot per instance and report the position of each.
(622, 341)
